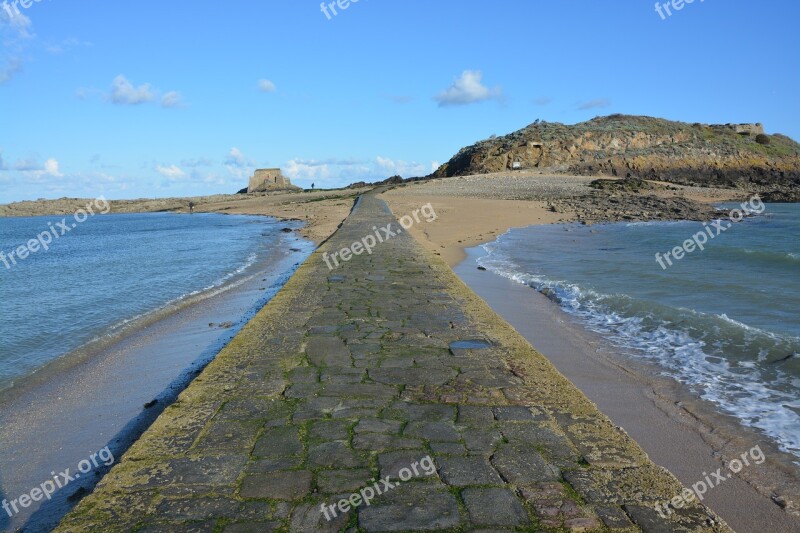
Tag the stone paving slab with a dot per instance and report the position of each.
(346, 377)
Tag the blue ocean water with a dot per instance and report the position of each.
(725, 321)
(110, 272)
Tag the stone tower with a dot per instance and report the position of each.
(269, 179)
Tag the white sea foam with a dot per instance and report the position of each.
(739, 388)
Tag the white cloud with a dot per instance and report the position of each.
(595, 104)
(171, 172)
(238, 164)
(298, 170)
(123, 92)
(235, 158)
(401, 168)
(35, 172)
(26, 184)
(543, 100)
(3, 165)
(172, 99)
(266, 86)
(468, 89)
(51, 168)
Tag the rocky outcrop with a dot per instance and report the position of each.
(644, 147)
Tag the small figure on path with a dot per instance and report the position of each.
(191, 207)
(312, 186)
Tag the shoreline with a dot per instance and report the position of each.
(321, 211)
(111, 393)
(479, 208)
(678, 431)
(468, 218)
(524, 210)
(340, 362)
(120, 331)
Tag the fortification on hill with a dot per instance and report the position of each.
(269, 179)
(726, 155)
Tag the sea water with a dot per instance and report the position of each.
(114, 271)
(724, 321)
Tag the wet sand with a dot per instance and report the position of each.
(77, 405)
(477, 209)
(679, 432)
(80, 404)
(643, 405)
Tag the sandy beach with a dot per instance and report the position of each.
(476, 209)
(681, 433)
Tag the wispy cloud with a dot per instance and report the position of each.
(78, 184)
(65, 45)
(172, 100)
(3, 165)
(332, 161)
(334, 172)
(15, 36)
(9, 69)
(123, 92)
(396, 167)
(238, 164)
(468, 89)
(34, 171)
(236, 158)
(172, 172)
(543, 100)
(595, 104)
(83, 93)
(266, 86)
(197, 162)
(27, 165)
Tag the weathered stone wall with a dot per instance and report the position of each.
(750, 129)
(268, 179)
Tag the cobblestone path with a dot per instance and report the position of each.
(348, 380)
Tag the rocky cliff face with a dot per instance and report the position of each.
(644, 147)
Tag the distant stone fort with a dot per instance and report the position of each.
(743, 129)
(269, 179)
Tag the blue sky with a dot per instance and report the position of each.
(176, 98)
